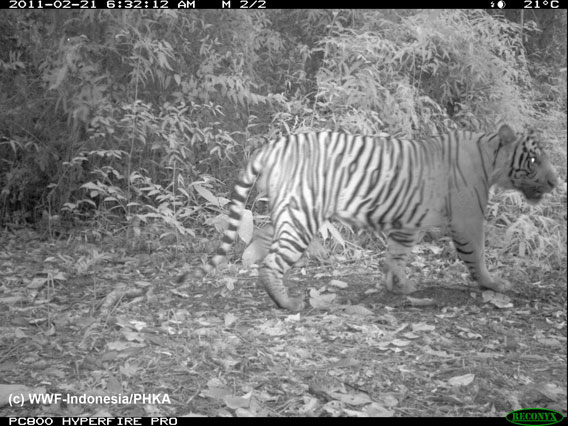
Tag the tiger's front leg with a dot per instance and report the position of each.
(400, 243)
(468, 237)
(271, 273)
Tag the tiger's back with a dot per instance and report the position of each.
(384, 184)
(359, 179)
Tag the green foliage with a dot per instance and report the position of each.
(138, 122)
(427, 72)
(517, 229)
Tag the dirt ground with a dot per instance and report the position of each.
(95, 321)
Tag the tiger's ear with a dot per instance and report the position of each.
(506, 134)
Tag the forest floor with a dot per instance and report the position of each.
(109, 326)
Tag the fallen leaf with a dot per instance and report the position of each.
(310, 403)
(351, 399)
(422, 326)
(387, 400)
(245, 412)
(334, 408)
(229, 283)
(498, 299)
(138, 325)
(132, 336)
(432, 352)
(354, 413)
(230, 319)
(376, 410)
(60, 276)
(464, 380)
(37, 282)
(551, 391)
(19, 333)
(358, 310)
(216, 393)
(12, 300)
(273, 329)
(321, 301)
(293, 318)
(549, 342)
(113, 385)
(235, 402)
(338, 284)
(400, 342)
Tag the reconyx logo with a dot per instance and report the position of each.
(535, 416)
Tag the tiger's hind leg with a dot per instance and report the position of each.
(468, 237)
(400, 243)
(287, 248)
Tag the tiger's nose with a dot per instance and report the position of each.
(552, 181)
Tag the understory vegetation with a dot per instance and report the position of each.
(136, 124)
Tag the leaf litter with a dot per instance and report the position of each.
(96, 320)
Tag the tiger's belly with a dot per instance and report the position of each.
(421, 217)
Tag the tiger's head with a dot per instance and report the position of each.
(528, 170)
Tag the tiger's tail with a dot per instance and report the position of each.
(242, 189)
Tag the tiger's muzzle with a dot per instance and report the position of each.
(534, 192)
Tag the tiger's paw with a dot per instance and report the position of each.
(399, 286)
(499, 286)
(294, 304)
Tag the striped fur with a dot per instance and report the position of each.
(396, 186)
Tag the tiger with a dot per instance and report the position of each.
(397, 186)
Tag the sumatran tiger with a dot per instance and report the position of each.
(397, 186)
